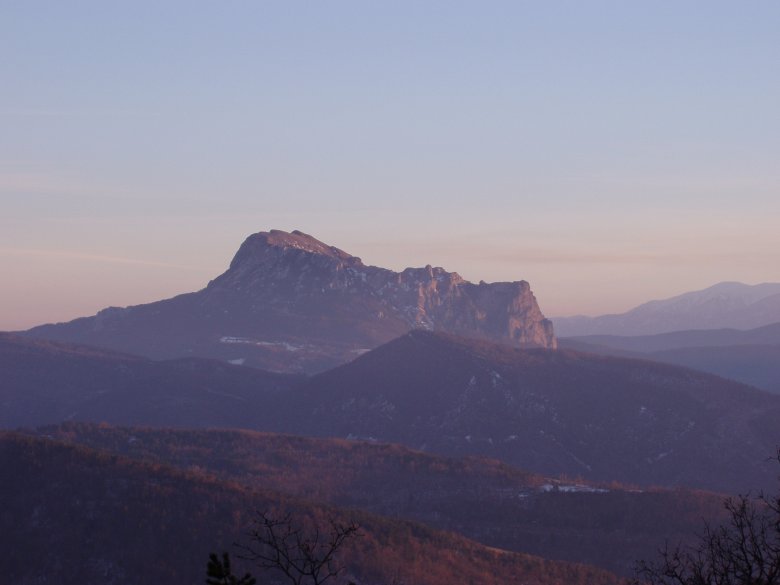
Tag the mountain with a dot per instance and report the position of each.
(45, 382)
(767, 335)
(751, 357)
(482, 499)
(74, 515)
(289, 302)
(725, 305)
(757, 365)
(598, 417)
(552, 412)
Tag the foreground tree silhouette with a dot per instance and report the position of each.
(744, 551)
(304, 555)
(218, 572)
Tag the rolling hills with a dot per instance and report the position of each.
(498, 505)
(599, 417)
(551, 412)
(46, 382)
(74, 515)
(749, 356)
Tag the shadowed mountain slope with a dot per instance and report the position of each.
(553, 412)
(289, 302)
(751, 357)
(602, 418)
(88, 517)
(758, 365)
(767, 335)
(47, 382)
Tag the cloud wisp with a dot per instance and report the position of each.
(71, 255)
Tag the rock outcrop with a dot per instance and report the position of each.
(290, 302)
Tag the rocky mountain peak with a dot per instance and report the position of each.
(291, 302)
(258, 247)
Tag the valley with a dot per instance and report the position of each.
(444, 417)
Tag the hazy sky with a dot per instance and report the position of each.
(607, 152)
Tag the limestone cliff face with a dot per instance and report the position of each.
(303, 273)
(289, 302)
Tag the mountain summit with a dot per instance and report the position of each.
(731, 305)
(290, 302)
(599, 417)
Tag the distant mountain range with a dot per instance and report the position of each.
(767, 335)
(725, 305)
(561, 412)
(751, 356)
(289, 302)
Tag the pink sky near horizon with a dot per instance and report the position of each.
(609, 153)
(565, 280)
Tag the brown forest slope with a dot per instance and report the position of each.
(483, 499)
(74, 515)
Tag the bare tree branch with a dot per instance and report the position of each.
(744, 551)
(303, 556)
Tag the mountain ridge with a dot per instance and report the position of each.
(551, 412)
(45, 382)
(600, 417)
(483, 499)
(750, 356)
(86, 516)
(289, 302)
(723, 305)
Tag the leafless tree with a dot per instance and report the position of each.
(744, 551)
(304, 555)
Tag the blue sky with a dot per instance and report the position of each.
(607, 152)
